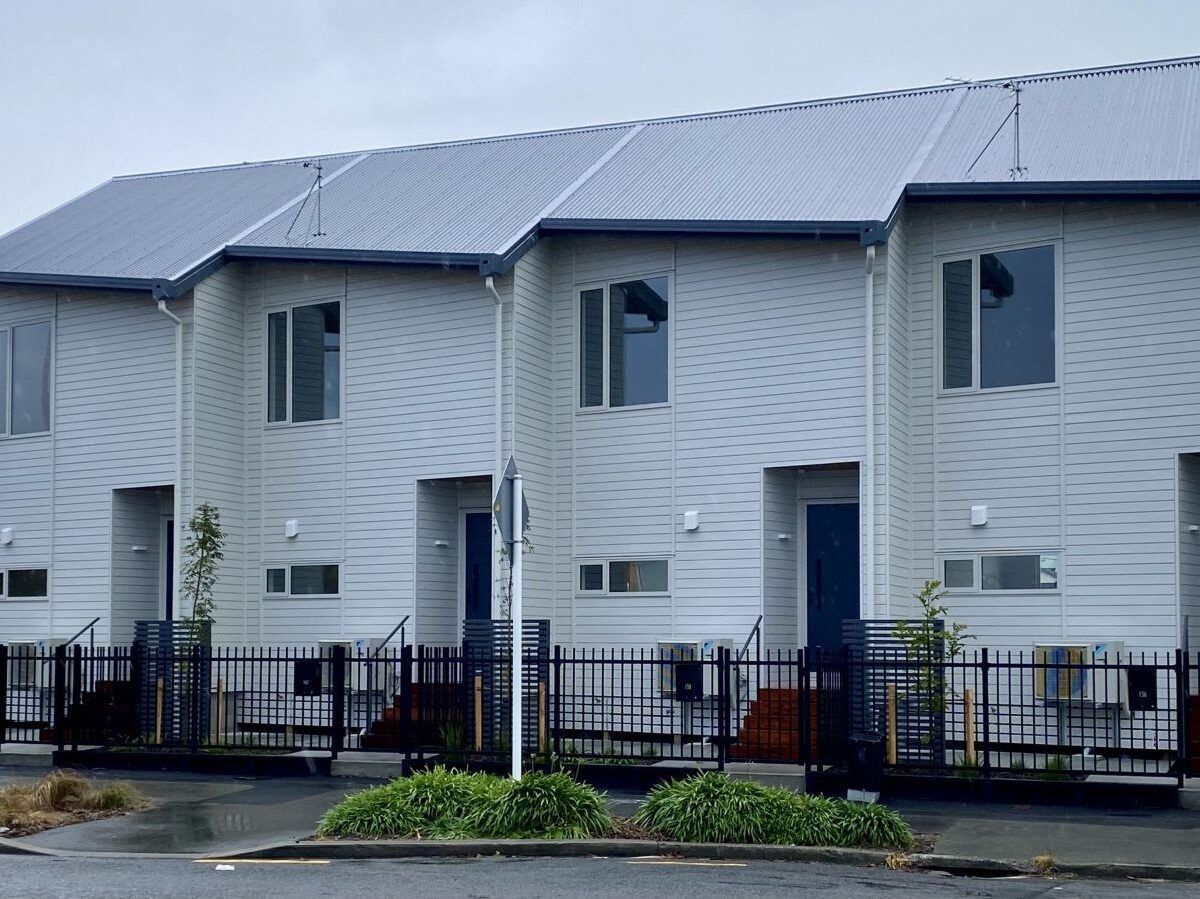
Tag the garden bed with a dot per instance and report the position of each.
(59, 799)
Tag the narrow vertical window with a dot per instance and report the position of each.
(277, 366)
(638, 357)
(591, 348)
(316, 365)
(957, 321)
(30, 379)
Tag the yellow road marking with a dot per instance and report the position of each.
(260, 861)
(669, 861)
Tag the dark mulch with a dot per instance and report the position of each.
(49, 820)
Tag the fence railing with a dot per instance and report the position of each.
(981, 714)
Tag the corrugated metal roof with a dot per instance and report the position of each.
(821, 165)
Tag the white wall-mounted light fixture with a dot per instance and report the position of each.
(6, 536)
(691, 520)
(979, 516)
(783, 537)
(291, 528)
(1192, 529)
(139, 548)
(441, 544)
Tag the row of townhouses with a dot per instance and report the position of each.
(789, 361)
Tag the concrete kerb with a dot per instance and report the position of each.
(963, 866)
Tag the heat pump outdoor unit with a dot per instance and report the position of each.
(678, 679)
(1081, 672)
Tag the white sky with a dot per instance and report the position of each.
(95, 88)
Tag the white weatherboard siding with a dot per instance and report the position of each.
(767, 344)
(1087, 467)
(780, 542)
(895, 502)
(437, 617)
(1189, 548)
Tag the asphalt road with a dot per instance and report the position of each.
(132, 878)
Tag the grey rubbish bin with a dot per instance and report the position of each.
(864, 769)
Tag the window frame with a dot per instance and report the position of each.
(6, 331)
(6, 580)
(976, 560)
(973, 256)
(289, 308)
(605, 286)
(605, 561)
(287, 580)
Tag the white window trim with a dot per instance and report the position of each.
(6, 417)
(630, 557)
(287, 580)
(939, 315)
(31, 567)
(268, 311)
(577, 336)
(976, 560)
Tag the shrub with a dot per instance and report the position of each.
(546, 806)
(61, 797)
(711, 808)
(375, 812)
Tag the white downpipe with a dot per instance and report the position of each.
(498, 411)
(869, 473)
(177, 493)
(518, 649)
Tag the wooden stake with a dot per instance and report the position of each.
(969, 726)
(478, 713)
(892, 753)
(158, 712)
(542, 741)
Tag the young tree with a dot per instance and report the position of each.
(203, 552)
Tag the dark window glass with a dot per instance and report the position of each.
(27, 583)
(1032, 572)
(277, 366)
(316, 366)
(591, 348)
(31, 379)
(960, 574)
(276, 580)
(314, 580)
(637, 577)
(637, 362)
(957, 313)
(1016, 317)
(591, 577)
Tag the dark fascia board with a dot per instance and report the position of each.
(93, 282)
(1053, 190)
(866, 232)
(481, 262)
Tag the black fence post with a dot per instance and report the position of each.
(723, 706)
(76, 699)
(3, 692)
(1181, 704)
(406, 703)
(337, 739)
(194, 716)
(984, 669)
(556, 704)
(59, 675)
(802, 679)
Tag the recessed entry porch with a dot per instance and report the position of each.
(454, 556)
(812, 536)
(143, 551)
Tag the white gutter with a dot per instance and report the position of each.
(178, 491)
(489, 284)
(869, 473)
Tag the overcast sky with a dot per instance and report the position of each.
(92, 89)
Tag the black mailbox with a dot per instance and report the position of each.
(1143, 688)
(689, 681)
(307, 678)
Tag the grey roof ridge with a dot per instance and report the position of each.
(690, 117)
(203, 260)
(569, 191)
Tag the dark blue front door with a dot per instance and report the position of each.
(833, 575)
(477, 565)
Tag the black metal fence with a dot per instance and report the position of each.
(1058, 714)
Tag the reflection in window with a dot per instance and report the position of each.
(28, 583)
(1027, 572)
(591, 348)
(626, 336)
(276, 580)
(312, 356)
(314, 580)
(1016, 317)
(591, 577)
(957, 314)
(277, 366)
(638, 577)
(959, 574)
(28, 352)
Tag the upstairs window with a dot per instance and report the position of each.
(25, 352)
(623, 344)
(304, 365)
(998, 319)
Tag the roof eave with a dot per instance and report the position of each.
(91, 282)
(480, 262)
(865, 231)
(1053, 190)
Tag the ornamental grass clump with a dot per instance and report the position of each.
(549, 807)
(712, 808)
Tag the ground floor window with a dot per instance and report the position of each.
(24, 583)
(624, 576)
(315, 579)
(989, 572)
